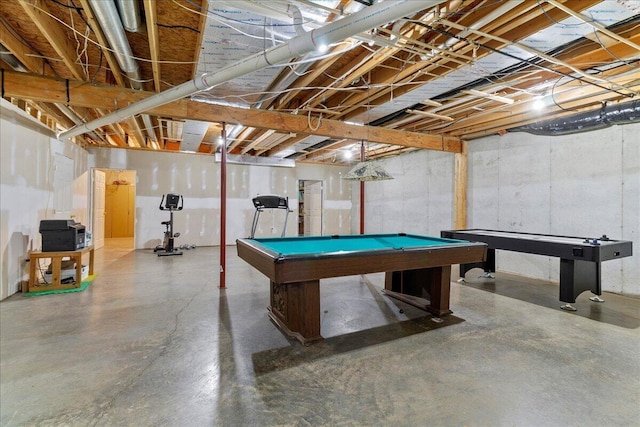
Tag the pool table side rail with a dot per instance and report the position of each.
(297, 269)
(269, 245)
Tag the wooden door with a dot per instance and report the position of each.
(98, 216)
(120, 207)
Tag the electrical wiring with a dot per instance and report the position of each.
(550, 18)
(78, 52)
(213, 16)
(528, 60)
(210, 13)
(553, 98)
(311, 126)
(475, 9)
(182, 27)
(276, 93)
(100, 45)
(93, 78)
(602, 45)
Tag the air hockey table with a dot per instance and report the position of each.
(580, 257)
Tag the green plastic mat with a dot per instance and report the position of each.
(84, 285)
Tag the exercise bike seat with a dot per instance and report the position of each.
(165, 223)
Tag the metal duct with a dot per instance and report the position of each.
(112, 26)
(368, 18)
(618, 114)
(148, 125)
(192, 133)
(129, 14)
(11, 60)
(109, 20)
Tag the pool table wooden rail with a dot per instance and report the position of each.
(339, 264)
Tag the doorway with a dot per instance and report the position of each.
(114, 197)
(310, 207)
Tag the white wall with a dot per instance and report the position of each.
(197, 178)
(28, 151)
(576, 185)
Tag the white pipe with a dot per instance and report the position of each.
(378, 14)
(75, 119)
(297, 19)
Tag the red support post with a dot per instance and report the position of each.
(223, 207)
(362, 156)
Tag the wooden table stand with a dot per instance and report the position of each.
(56, 269)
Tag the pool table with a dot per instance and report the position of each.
(418, 271)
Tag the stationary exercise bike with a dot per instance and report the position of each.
(174, 202)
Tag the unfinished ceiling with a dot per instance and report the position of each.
(455, 70)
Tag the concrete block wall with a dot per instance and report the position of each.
(576, 185)
(585, 184)
(418, 200)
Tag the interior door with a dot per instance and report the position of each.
(120, 208)
(97, 226)
(312, 208)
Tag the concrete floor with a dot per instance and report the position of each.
(154, 341)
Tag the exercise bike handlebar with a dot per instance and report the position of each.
(174, 203)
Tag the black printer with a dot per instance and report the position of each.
(61, 235)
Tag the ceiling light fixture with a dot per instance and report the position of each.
(367, 171)
(538, 104)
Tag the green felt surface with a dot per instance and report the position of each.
(349, 243)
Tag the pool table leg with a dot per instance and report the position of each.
(427, 288)
(295, 309)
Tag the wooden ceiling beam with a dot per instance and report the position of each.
(593, 23)
(288, 143)
(40, 88)
(55, 35)
(151, 14)
(329, 128)
(20, 49)
(506, 25)
(201, 29)
(25, 86)
(240, 138)
(102, 40)
(576, 97)
(572, 107)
